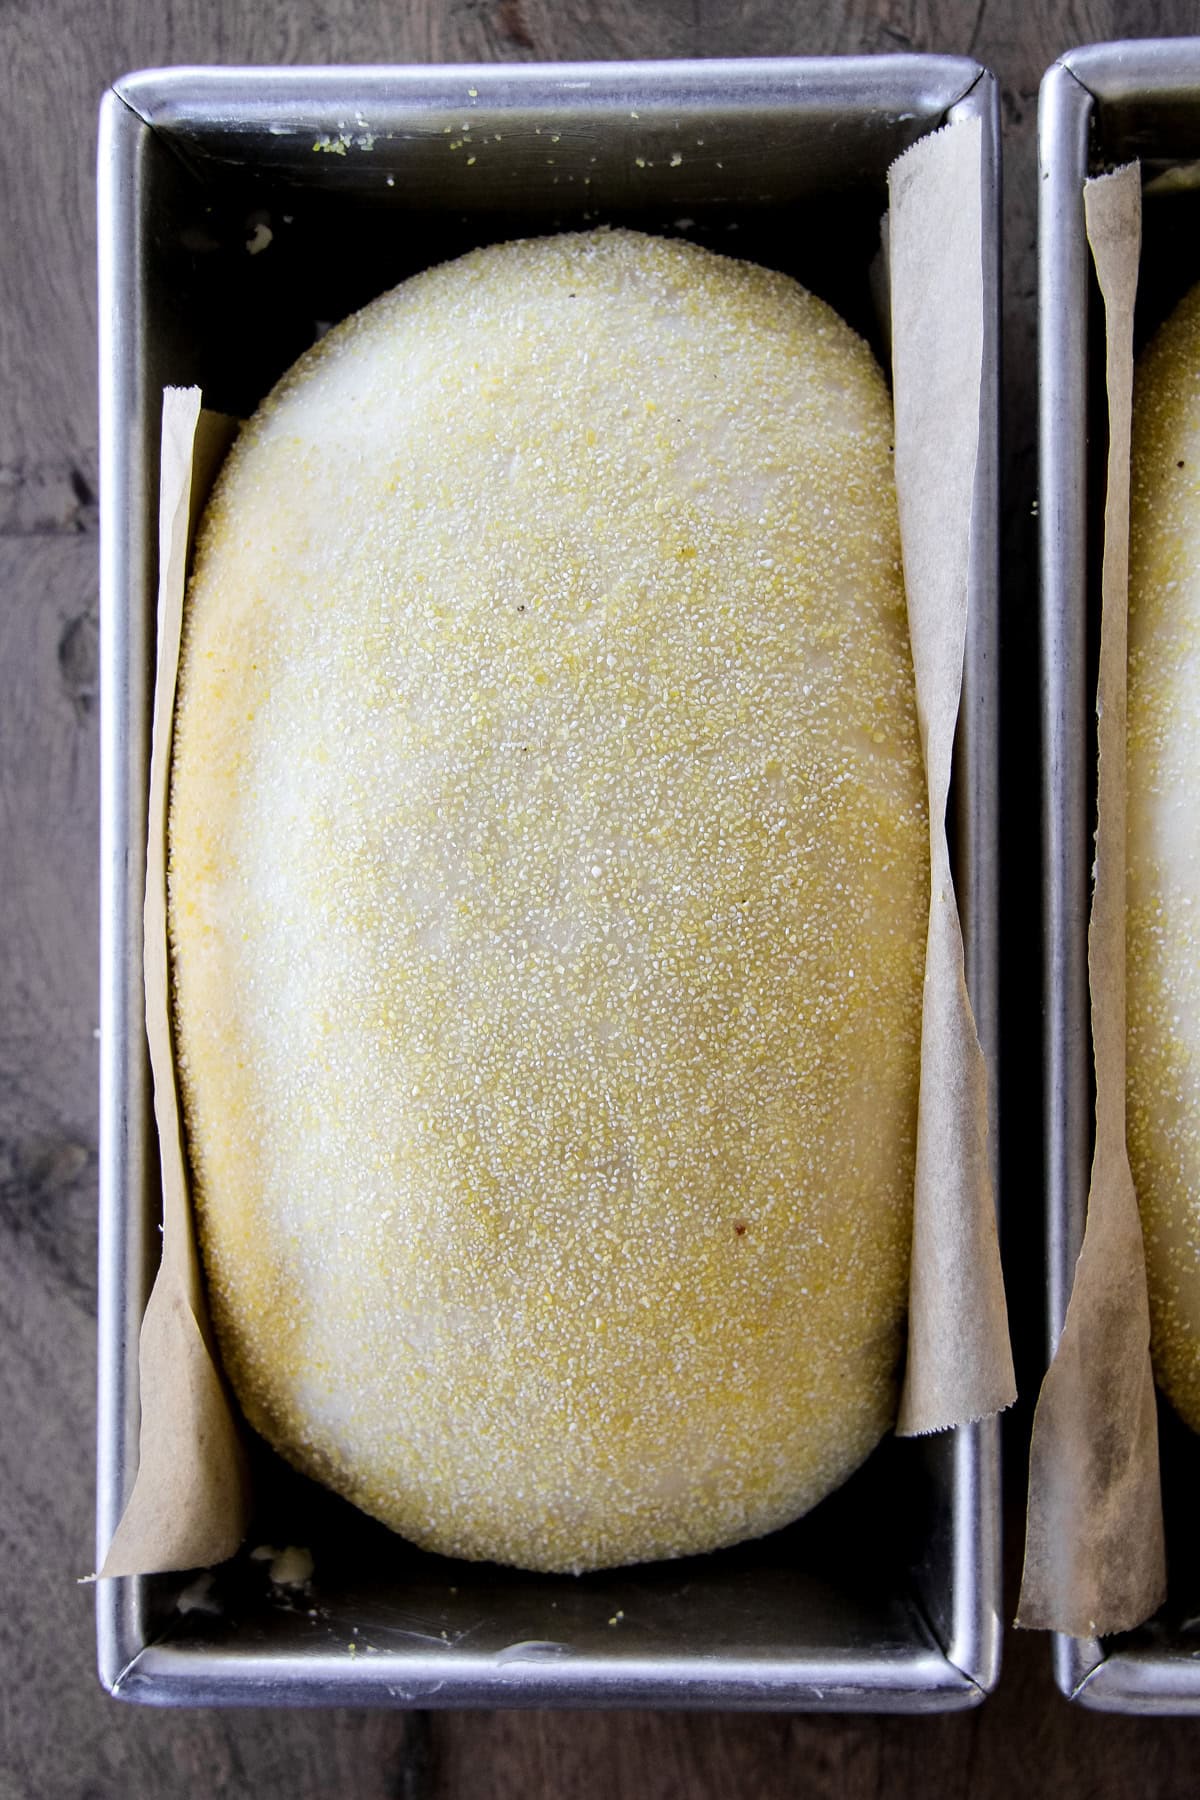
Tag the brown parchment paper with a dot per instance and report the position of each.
(1094, 1555)
(190, 1503)
(959, 1361)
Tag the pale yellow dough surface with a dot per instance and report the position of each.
(1163, 887)
(548, 888)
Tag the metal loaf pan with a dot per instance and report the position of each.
(887, 1597)
(1100, 106)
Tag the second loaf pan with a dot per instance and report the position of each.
(887, 1597)
(1101, 105)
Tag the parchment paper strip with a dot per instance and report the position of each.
(1094, 1554)
(190, 1503)
(959, 1360)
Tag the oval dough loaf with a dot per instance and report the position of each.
(548, 888)
(1163, 884)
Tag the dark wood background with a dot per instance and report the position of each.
(59, 1735)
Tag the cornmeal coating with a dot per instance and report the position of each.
(1163, 877)
(548, 888)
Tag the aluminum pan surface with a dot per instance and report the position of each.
(714, 1635)
(1100, 104)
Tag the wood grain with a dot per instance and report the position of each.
(59, 1736)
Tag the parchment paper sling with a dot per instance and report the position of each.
(1094, 1555)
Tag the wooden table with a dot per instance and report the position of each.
(59, 1735)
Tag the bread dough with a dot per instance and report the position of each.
(1163, 885)
(548, 890)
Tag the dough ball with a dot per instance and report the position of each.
(1163, 878)
(548, 889)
